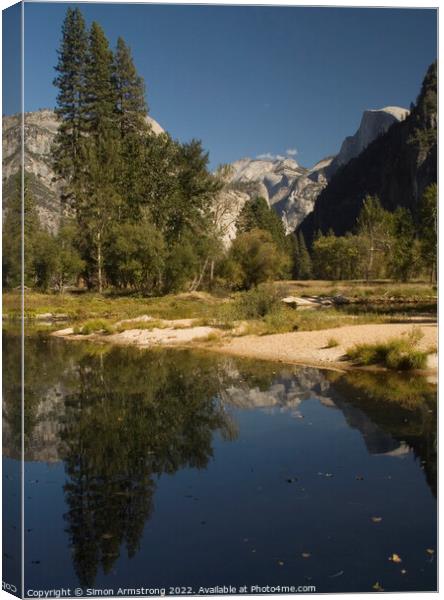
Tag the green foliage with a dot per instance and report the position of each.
(332, 343)
(399, 354)
(338, 257)
(181, 264)
(374, 228)
(101, 94)
(257, 303)
(71, 97)
(255, 258)
(403, 260)
(256, 214)
(428, 228)
(302, 260)
(135, 257)
(130, 92)
(94, 326)
(68, 263)
(43, 259)
(40, 250)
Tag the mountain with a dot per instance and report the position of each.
(373, 124)
(40, 129)
(292, 190)
(397, 167)
(289, 188)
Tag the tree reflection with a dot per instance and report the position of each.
(132, 417)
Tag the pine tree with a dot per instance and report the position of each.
(296, 256)
(101, 94)
(428, 226)
(99, 203)
(130, 92)
(305, 267)
(71, 97)
(256, 214)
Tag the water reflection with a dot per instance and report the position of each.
(121, 418)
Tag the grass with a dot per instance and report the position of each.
(400, 354)
(154, 324)
(214, 336)
(94, 326)
(382, 289)
(79, 307)
(332, 343)
(260, 310)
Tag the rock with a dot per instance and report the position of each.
(40, 130)
(373, 124)
(339, 299)
(295, 301)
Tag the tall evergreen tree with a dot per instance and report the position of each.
(99, 203)
(101, 94)
(71, 97)
(428, 226)
(131, 106)
(296, 256)
(256, 214)
(305, 267)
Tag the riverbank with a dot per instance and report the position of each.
(325, 348)
(311, 322)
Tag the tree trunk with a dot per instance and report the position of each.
(370, 259)
(99, 263)
(197, 283)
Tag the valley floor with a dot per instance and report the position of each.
(317, 333)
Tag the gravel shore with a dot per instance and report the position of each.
(310, 347)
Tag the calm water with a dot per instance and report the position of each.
(175, 468)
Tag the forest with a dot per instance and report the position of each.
(142, 213)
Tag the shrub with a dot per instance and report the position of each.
(258, 302)
(95, 326)
(332, 343)
(398, 354)
(255, 258)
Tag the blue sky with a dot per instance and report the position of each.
(252, 80)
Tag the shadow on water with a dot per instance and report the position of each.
(122, 421)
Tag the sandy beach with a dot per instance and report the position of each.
(310, 347)
(305, 347)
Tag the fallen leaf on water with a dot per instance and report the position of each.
(338, 574)
(306, 554)
(430, 551)
(395, 558)
(376, 519)
(378, 587)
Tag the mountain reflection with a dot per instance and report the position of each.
(120, 418)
